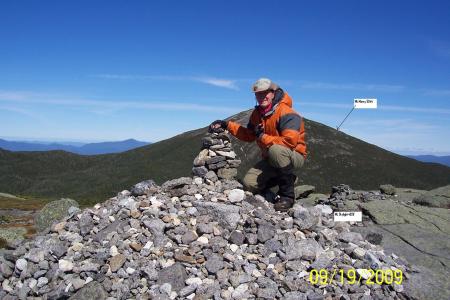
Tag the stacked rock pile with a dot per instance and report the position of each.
(342, 193)
(216, 159)
(192, 238)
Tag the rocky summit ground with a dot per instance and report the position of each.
(204, 237)
(190, 239)
(394, 219)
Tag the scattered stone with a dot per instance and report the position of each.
(146, 187)
(136, 246)
(189, 237)
(233, 248)
(175, 275)
(116, 262)
(21, 264)
(350, 237)
(77, 283)
(240, 291)
(199, 171)
(86, 224)
(227, 173)
(325, 209)
(201, 158)
(65, 265)
(203, 240)
(179, 256)
(176, 183)
(266, 232)
(42, 281)
(306, 218)
(359, 253)
(214, 264)
(237, 237)
(236, 195)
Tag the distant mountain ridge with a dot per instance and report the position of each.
(443, 160)
(333, 158)
(86, 149)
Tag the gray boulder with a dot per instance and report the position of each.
(176, 183)
(227, 215)
(144, 188)
(11, 235)
(306, 218)
(439, 197)
(53, 211)
(92, 290)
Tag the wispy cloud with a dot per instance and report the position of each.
(219, 82)
(17, 110)
(138, 77)
(24, 112)
(18, 95)
(435, 92)
(318, 85)
(225, 83)
(108, 106)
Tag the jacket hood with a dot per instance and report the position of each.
(281, 97)
(285, 99)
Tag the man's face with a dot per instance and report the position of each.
(264, 98)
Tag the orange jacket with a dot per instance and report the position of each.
(282, 126)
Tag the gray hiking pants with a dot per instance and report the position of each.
(279, 157)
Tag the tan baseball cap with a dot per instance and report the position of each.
(263, 84)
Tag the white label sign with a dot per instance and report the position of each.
(347, 216)
(365, 103)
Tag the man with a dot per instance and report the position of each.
(279, 131)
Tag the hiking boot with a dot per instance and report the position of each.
(268, 195)
(286, 185)
(268, 192)
(283, 203)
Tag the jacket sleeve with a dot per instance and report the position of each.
(241, 132)
(289, 130)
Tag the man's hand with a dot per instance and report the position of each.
(259, 131)
(218, 126)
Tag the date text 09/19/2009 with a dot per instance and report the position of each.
(352, 276)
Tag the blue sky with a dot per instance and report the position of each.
(112, 70)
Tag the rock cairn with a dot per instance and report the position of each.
(342, 194)
(194, 238)
(216, 160)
